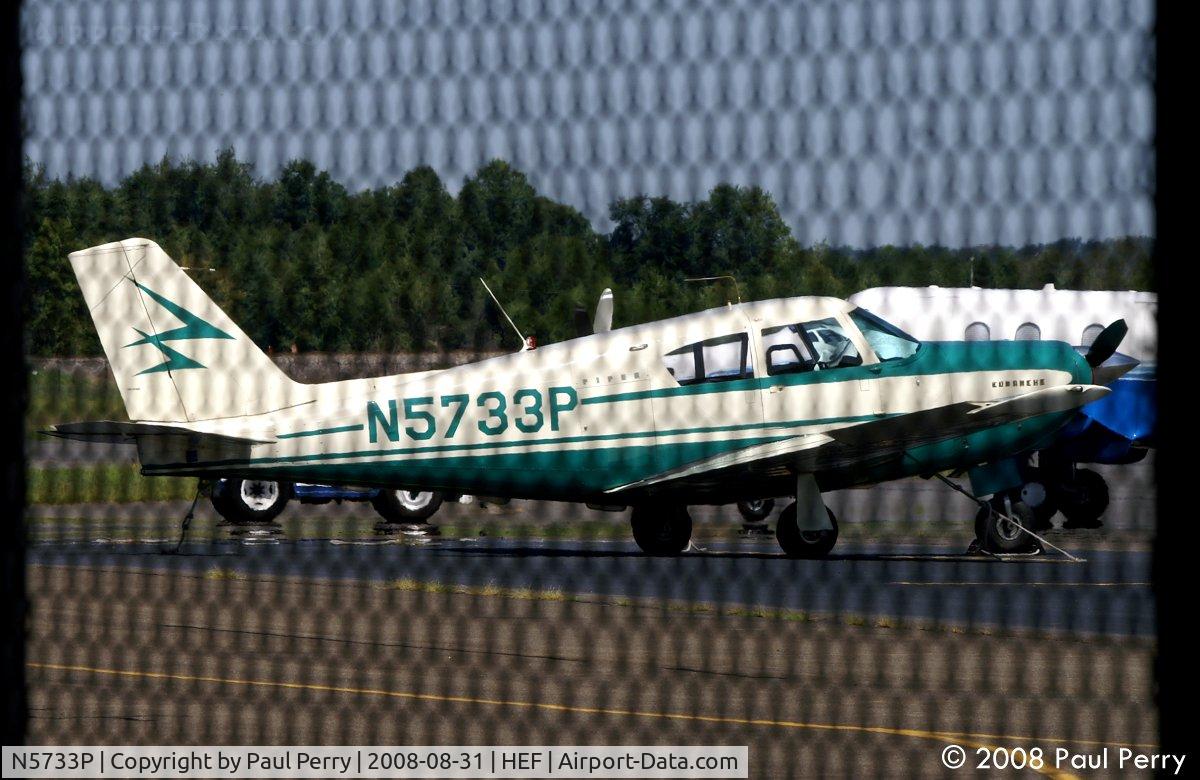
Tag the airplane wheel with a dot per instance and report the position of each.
(804, 544)
(661, 529)
(997, 533)
(407, 506)
(1084, 500)
(756, 511)
(250, 501)
(1036, 495)
(219, 496)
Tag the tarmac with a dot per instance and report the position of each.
(123, 655)
(869, 662)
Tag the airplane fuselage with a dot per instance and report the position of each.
(576, 420)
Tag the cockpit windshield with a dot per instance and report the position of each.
(888, 341)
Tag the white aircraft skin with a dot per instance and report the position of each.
(599, 419)
(1073, 316)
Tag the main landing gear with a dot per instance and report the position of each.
(250, 501)
(661, 528)
(811, 543)
(1083, 499)
(806, 527)
(1080, 494)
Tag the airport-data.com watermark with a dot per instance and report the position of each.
(713, 761)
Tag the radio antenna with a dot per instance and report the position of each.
(736, 290)
(520, 335)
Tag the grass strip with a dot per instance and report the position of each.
(110, 483)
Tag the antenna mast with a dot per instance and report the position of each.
(736, 290)
(521, 336)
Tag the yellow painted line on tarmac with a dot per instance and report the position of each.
(965, 738)
(952, 583)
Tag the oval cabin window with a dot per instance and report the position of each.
(1029, 332)
(977, 331)
(1090, 333)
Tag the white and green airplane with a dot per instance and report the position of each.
(791, 396)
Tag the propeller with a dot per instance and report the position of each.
(1106, 343)
(1107, 364)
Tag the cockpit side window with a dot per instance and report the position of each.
(719, 359)
(888, 341)
(833, 348)
(787, 351)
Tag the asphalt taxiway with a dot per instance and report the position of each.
(1109, 593)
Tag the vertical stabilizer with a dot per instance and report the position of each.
(175, 355)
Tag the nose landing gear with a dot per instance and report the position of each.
(1080, 494)
(1001, 523)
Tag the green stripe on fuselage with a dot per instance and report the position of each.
(321, 431)
(933, 358)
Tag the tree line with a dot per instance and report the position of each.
(299, 262)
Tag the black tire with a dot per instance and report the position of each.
(251, 501)
(407, 506)
(1041, 500)
(756, 511)
(661, 529)
(218, 494)
(997, 533)
(804, 544)
(1084, 500)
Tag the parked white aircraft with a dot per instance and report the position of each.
(982, 314)
(1118, 430)
(780, 397)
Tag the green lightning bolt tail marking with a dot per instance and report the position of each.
(193, 328)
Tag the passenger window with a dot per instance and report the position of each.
(1029, 332)
(977, 331)
(726, 358)
(787, 351)
(1090, 333)
(713, 360)
(833, 347)
(682, 364)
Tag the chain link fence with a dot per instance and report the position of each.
(334, 179)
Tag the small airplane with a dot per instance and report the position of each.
(792, 396)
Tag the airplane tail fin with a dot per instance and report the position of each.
(175, 355)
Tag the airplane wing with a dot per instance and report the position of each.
(870, 442)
